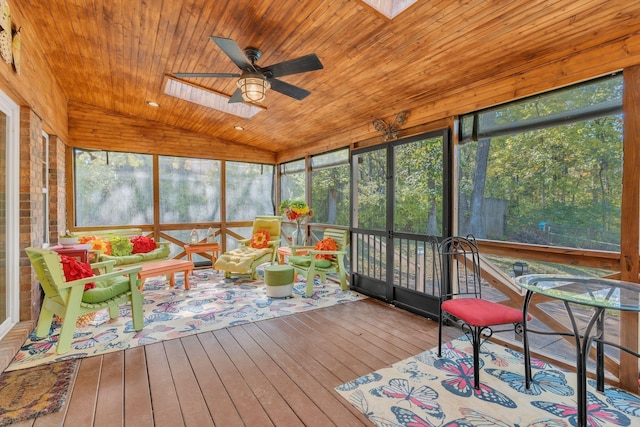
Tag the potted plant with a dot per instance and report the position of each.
(67, 239)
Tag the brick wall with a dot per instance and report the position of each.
(57, 189)
(31, 209)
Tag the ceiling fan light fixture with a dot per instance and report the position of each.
(253, 87)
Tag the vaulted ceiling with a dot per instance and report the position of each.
(119, 54)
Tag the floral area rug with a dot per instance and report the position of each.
(34, 392)
(425, 390)
(211, 303)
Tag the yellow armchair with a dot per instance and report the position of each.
(245, 259)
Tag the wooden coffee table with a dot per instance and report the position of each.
(167, 267)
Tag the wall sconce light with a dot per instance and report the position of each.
(253, 86)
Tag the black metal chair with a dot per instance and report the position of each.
(456, 267)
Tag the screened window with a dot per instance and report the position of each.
(292, 183)
(112, 188)
(330, 187)
(189, 190)
(545, 170)
(418, 186)
(370, 200)
(249, 190)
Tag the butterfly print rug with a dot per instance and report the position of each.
(213, 302)
(426, 390)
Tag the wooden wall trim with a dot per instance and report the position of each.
(94, 127)
(630, 232)
(570, 256)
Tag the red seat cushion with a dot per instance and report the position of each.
(480, 312)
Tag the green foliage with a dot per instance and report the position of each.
(113, 188)
(568, 176)
(330, 195)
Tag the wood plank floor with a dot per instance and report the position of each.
(277, 372)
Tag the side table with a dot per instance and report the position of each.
(203, 249)
(80, 251)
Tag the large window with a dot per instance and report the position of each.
(113, 188)
(292, 180)
(189, 190)
(545, 170)
(330, 187)
(249, 190)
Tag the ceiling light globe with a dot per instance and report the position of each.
(254, 87)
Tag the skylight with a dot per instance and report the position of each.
(390, 8)
(209, 98)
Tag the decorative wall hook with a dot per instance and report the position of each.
(390, 130)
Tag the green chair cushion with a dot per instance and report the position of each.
(305, 261)
(159, 253)
(106, 289)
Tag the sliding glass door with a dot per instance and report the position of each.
(9, 213)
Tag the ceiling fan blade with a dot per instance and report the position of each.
(294, 66)
(289, 89)
(183, 75)
(234, 52)
(236, 97)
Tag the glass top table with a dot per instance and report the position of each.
(595, 292)
(589, 291)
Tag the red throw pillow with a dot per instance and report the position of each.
(260, 239)
(74, 270)
(326, 244)
(142, 244)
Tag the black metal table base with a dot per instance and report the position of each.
(583, 346)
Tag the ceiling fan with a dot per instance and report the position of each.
(254, 80)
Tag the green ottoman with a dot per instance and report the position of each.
(279, 280)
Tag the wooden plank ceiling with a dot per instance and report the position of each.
(117, 54)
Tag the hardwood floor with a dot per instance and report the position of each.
(277, 372)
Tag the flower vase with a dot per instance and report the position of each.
(297, 237)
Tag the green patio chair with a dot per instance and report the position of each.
(309, 265)
(69, 300)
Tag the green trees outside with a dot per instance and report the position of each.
(112, 188)
(546, 169)
(189, 189)
(250, 190)
(418, 186)
(330, 195)
(330, 186)
(370, 184)
(556, 160)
